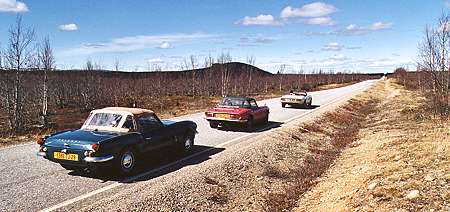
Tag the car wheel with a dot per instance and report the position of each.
(250, 124)
(283, 104)
(126, 162)
(213, 124)
(187, 144)
(70, 167)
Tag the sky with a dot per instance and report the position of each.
(340, 35)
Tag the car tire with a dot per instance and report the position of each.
(213, 124)
(71, 167)
(126, 162)
(305, 104)
(283, 104)
(187, 143)
(250, 124)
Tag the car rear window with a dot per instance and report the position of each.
(234, 102)
(105, 119)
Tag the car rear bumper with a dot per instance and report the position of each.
(293, 102)
(226, 120)
(86, 159)
(98, 159)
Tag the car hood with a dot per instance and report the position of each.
(79, 138)
(234, 110)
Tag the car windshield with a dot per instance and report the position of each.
(234, 102)
(297, 93)
(105, 120)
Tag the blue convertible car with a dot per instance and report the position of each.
(115, 136)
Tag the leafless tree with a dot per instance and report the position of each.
(89, 65)
(280, 74)
(47, 63)
(19, 54)
(434, 62)
(1, 57)
(116, 64)
(251, 61)
(193, 63)
(225, 73)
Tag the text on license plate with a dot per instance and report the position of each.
(222, 115)
(65, 156)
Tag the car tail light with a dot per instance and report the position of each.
(40, 140)
(235, 116)
(95, 147)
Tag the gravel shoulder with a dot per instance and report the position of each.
(258, 174)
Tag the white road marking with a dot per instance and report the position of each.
(116, 184)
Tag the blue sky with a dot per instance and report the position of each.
(342, 35)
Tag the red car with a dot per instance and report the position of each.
(237, 110)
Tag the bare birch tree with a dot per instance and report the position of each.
(47, 63)
(280, 75)
(225, 73)
(19, 54)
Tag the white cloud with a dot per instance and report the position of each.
(354, 29)
(324, 21)
(316, 9)
(252, 41)
(13, 6)
(339, 57)
(165, 45)
(155, 61)
(380, 26)
(134, 43)
(68, 27)
(262, 20)
(333, 47)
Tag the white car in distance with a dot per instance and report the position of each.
(296, 98)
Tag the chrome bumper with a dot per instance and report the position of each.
(86, 159)
(293, 102)
(41, 154)
(226, 120)
(98, 159)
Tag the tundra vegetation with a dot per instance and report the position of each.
(35, 96)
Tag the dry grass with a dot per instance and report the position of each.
(400, 163)
(331, 86)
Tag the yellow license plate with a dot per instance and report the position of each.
(222, 116)
(65, 156)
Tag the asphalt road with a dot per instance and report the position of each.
(30, 183)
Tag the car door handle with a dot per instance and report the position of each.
(149, 139)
